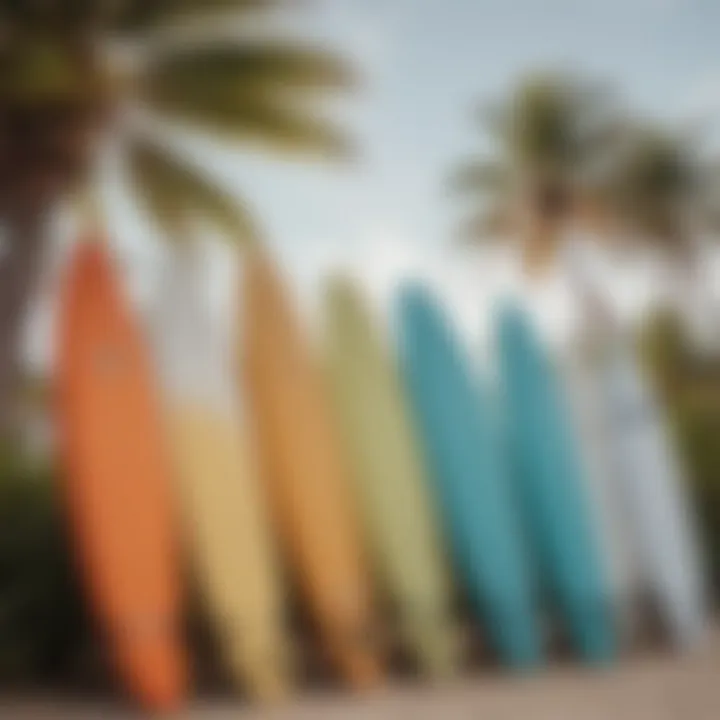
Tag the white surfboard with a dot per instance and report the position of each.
(649, 476)
(641, 466)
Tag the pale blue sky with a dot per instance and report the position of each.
(427, 62)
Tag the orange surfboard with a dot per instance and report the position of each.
(118, 482)
(308, 489)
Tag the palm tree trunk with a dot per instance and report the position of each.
(21, 252)
(539, 247)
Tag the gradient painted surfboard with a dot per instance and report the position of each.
(388, 478)
(550, 488)
(468, 477)
(119, 490)
(224, 508)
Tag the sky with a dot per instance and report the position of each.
(425, 65)
(428, 63)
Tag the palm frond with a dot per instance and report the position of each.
(542, 126)
(43, 69)
(260, 121)
(550, 120)
(135, 15)
(246, 93)
(487, 226)
(479, 177)
(657, 179)
(263, 66)
(173, 193)
(493, 119)
(550, 135)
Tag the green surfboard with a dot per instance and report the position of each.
(388, 478)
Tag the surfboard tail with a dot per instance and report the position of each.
(518, 641)
(155, 672)
(361, 667)
(353, 643)
(590, 623)
(264, 671)
(437, 646)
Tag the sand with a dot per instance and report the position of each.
(642, 688)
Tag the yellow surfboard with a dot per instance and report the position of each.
(223, 504)
(304, 470)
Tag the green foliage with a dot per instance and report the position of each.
(690, 386)
(657, 182)
(172, 192)
(549, 123)
(42, 70)
(479, 176)
(134, 15)
(698, 430)
(563, 149)
(127, 16)
(40, 611)
(254, 90)
(250, 67)
(548, 133)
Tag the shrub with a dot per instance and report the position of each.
(40, 612)
(690, 387)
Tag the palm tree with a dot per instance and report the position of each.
(549, 135)
(72, 72)
(42, 621)
(662, 189)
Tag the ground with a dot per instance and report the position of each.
(642, 688)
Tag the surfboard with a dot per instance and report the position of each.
(224, 506)
(581, 373)
(468, 477)
(550, 487)
(118, 486)
(659, 529)
(649, 476)
(389, 478)
(305, 473)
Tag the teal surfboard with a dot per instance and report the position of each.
(467, 476)
(550, 487)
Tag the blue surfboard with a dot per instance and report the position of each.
(550, 489)
(467, 476)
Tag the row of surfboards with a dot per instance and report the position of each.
(373, 476)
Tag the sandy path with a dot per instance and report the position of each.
(657, 688)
